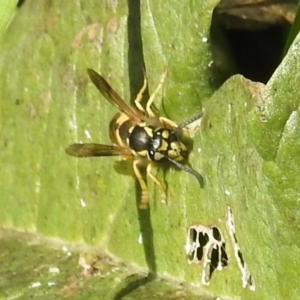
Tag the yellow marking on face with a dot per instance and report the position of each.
(165, 134)
(175, 145)
(164, 146)
(173, 154)
(179, 158)
(183, 147)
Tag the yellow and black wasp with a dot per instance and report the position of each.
(138, 133)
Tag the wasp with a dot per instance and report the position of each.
(137, 133)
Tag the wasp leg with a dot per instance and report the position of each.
(153, 95)
(139, 96)
(167, 122)
(164, 193)
(143, 185)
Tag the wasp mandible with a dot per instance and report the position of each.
(138, 133)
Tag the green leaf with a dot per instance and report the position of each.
(246, 149)
(7, 10)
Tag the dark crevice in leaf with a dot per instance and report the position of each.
(136, 62)
(249, 39)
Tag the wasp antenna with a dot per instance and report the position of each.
(188, 122)
(188, 170)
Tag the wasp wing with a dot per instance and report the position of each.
(89, 150)
(107, 91)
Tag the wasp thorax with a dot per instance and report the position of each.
(164, 144)
(140, 138)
